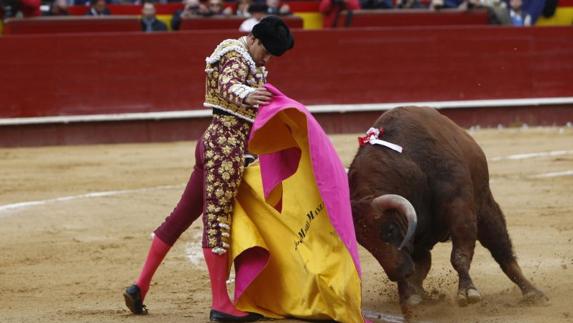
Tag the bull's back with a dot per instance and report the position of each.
(425, 133)
(445, 152)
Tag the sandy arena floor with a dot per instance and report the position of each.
(68, 260)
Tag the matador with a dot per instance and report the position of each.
(234, 91)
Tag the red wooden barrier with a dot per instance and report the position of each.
(45, 75)
(413, 17)
(231, 23)
(69, 24)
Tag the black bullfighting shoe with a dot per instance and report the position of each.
(249, 159)
(223, 317)
(132, 296)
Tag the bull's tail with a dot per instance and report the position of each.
(492, 234)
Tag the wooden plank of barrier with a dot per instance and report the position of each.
(71, 24)
(231, 23)
(412, 17)
(169, 8)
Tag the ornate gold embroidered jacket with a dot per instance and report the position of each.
(231, 76)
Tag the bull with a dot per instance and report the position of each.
(435, 190)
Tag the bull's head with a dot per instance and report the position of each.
(385, 226)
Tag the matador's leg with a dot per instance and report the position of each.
(224, 148)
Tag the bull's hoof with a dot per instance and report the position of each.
(414, 300)
(468, 296)
(473, 296)
(534, 297)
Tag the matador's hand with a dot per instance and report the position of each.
(260, 96)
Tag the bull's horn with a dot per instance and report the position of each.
(393, 201)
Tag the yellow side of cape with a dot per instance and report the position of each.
(310, 273)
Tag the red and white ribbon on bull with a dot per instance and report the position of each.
(373, 137)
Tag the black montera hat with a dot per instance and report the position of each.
(274, 34)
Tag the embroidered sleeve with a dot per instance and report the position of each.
(233, 75)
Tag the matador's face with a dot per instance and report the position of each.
(258, 52)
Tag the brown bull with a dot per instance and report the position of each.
(436, 189)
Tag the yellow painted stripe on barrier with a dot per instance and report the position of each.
(563, 17)
(310, 20)
(166, 19)
(1, 27)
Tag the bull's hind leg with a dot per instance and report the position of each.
(463, 230)
(492, 233)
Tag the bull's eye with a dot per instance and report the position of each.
(389, 233)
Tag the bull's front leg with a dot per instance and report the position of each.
(463, 230)
(408, 293)
(409, 298)
(411, 290)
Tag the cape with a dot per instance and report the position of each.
(293, 242)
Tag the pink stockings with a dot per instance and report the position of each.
(218, 273)
(217, 265)
(185, 213)
(155, 256)
(188, 209)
